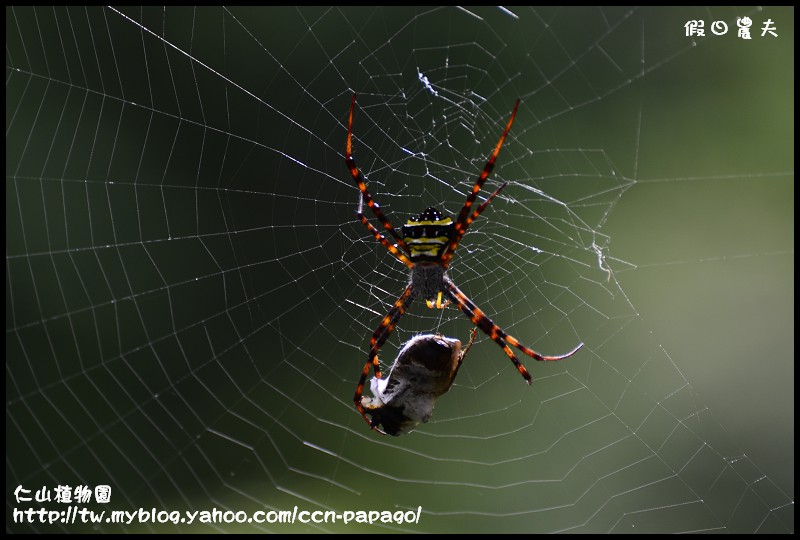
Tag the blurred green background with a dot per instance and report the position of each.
(189, 295)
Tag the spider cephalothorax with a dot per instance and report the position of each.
(426, 246)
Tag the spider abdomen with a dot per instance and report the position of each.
(427, 235)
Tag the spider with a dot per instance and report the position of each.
(424, 370)
(426, 246)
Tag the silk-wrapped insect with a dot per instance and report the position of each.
(424, 370)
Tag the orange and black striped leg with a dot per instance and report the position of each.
(462, 220)
(379, 337)
(486, 325)
(482, 207)
(497, 334)
(382, 239)
(361, 183)
(451, 248)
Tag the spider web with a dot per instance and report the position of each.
(189, 295)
